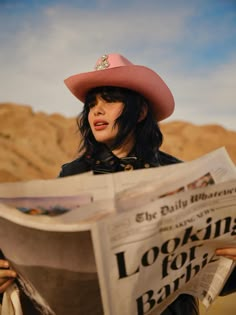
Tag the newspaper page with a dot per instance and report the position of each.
(54, 261)
(89, 188)
(153, 253)
(45, 234)
(217, 159)
(211, 168)
(45, 228)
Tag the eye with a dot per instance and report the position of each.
(91, 105)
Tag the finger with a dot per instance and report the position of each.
(5, 285)
(4, 263)
(6, 273)
(226, 252)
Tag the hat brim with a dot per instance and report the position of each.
(137, 78)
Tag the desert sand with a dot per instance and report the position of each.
(35, 145)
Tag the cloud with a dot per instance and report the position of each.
(43, 49)
(208, 97)
(62, 41)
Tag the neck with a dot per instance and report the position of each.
(125, 148)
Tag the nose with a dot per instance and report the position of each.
(99, 108)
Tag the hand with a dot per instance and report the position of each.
(7, 276)
(229, 252)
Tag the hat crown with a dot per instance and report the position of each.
(112, 61)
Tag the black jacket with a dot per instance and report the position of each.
(106, 162)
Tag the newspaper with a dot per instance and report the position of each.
(124, 243)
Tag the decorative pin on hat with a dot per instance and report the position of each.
(103, 64)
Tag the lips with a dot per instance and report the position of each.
(100, 124)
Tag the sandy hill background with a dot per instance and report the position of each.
(35, 145)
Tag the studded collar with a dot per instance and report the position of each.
(107, 162)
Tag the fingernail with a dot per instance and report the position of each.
(6, 264)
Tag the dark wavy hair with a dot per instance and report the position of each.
(148, 137)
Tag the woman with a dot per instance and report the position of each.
(119, 133)
(122, 105)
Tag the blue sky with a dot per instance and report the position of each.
(190, 44)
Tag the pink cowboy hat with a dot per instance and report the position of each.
(116, 70)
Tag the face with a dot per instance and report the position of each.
(101, 117)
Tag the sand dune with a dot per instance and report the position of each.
(35, 145)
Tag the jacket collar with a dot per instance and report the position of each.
(106, 162)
